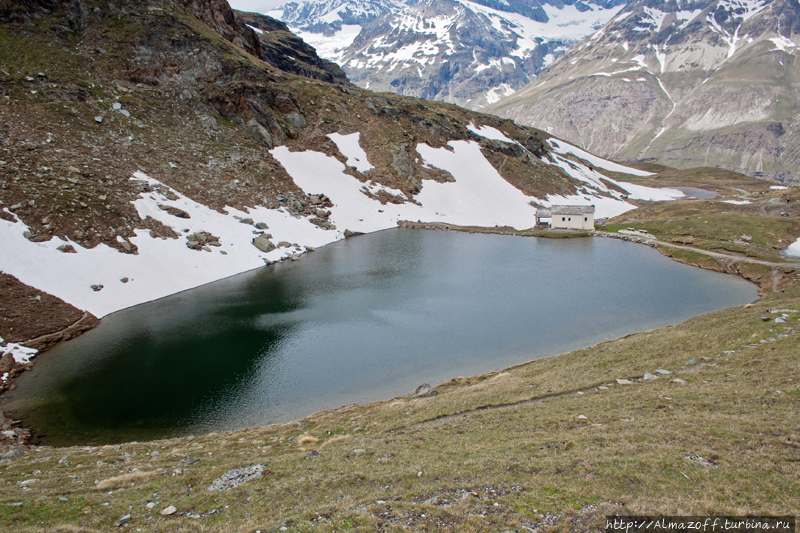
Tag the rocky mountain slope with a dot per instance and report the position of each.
(467, 52)
(151, 147)
(688, 83)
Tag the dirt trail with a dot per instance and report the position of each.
(728, 258)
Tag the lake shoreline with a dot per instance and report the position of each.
(466, 246)
(15, 369)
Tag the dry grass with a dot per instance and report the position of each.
(502, 451)
(125, 480)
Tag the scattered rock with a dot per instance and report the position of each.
(11, 455)
(708, 463)
(284, 244)
(690, 362)
(424, 391)
(582, 417)
(124, 520)
(124, 280)
(261, 225)
(167, 511)
(198, 240)
(648, 375)
(663, 372)
(97, 288)
(624, 381)
(263, 244)
(174, 211)
(17, 505)
(67, 249)
(62, 499)
(98, 119)
(150, 505)
(679, 381)
(247, 221)
(238, 476)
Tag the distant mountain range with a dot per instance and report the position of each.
(472, 53)
(686, 83)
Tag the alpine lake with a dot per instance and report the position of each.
(364, 319)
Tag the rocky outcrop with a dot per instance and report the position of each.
(220, 17)
(284, 50)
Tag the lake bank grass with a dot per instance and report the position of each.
(504, 451)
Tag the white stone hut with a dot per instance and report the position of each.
(571, 216)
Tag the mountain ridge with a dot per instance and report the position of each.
(703, 83)
(469, 53)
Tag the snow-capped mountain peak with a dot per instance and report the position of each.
(470, 52)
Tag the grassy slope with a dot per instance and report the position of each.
(405, 462)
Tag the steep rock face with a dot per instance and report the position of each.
(685, 84)
(284, 50)
(469, 53)
(220, 18)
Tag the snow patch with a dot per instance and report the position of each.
(21, 354)
(782, 43)
(793, 249)
(640, 192)
(350, 147)
(489, 133)
(562, 147)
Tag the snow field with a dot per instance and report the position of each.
(479, 196)
(162, 266)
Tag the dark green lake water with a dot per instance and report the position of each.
(368, 318)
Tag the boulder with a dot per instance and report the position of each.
(424, 391)
(237, 476)
(263, 244)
